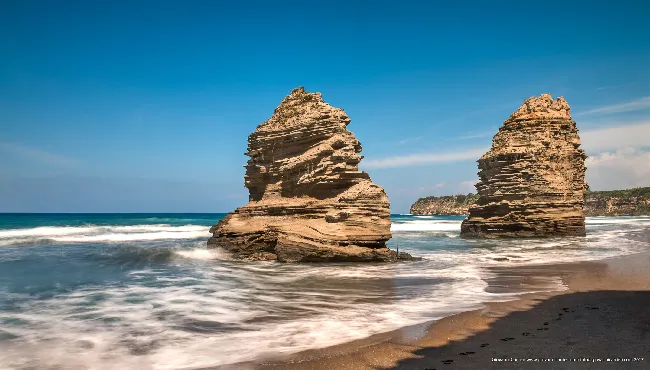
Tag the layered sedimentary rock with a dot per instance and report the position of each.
(532, 181)
(308, 201)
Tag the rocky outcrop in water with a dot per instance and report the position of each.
(532, 181)
(308, 200)
(446, 205)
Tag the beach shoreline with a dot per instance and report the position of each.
(601, 315)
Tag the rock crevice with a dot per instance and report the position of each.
(308, 201)
(531, 182)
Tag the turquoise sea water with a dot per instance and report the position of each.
(117, 291)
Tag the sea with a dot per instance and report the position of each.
(142, 291)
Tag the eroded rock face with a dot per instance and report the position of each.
(308, 200)
(532, 181)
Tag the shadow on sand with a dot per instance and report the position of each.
(568, 329)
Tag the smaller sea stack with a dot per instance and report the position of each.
(532, 181)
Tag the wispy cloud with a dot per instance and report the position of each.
(476, 136)
(635, 135)
(425, 158)
(625, 136)
(38, 155)
(467, 186)
(633, 105)
(406, 141)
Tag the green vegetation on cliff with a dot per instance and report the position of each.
(444, 205)
(634, 192)
(628, 202)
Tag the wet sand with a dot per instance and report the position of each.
(604, 314)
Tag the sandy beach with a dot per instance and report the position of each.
(600, 321)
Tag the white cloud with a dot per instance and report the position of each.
(38, 155)
(631, 135)
(593, 141)
(637, 104)
(425, 158)
(406, 141)
(621, 169)
(467, 186)
(435, 187)
(476, 136)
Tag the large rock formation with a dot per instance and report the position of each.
(532, 181)
(308, 200)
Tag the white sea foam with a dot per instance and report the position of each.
(177, 326)
(617, 220)
(202, 254)
(211, 312)
(102, 233)
(426, 225)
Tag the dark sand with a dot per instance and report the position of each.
(604, 313)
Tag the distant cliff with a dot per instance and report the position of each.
(445, 205)
(630, 202)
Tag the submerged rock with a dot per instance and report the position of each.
(308, 200)
(532, 181)
(403, 256)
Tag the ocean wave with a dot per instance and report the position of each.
(422, 225)
(176, 304)
(206, 319)
(603, 220)
(82, 234)
(202, 253)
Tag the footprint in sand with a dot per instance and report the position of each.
(447, 362)
(525, 334)
(507, 339)
(485, 345)
(467, 353)
(546, 323)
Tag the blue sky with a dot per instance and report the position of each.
(143, 106)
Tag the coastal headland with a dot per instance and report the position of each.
(627, 202)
